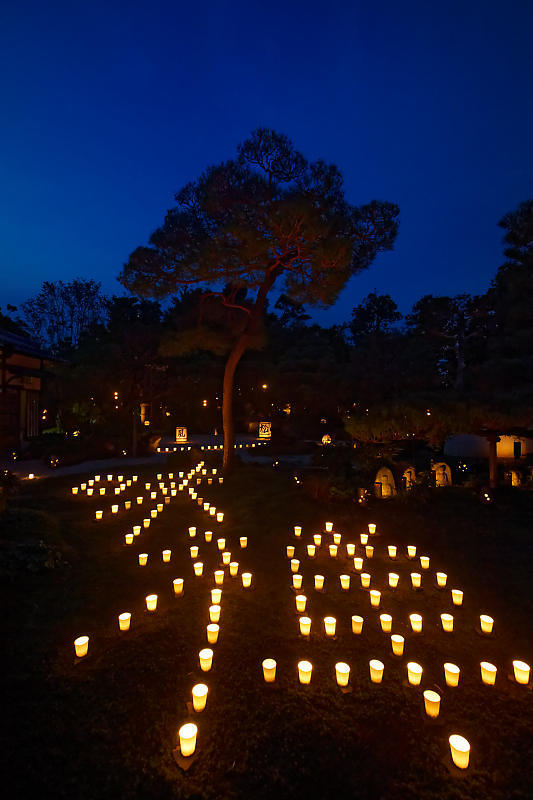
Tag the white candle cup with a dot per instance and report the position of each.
(166, 554)
(212, 632)
(364, 538)
(416, 580)
(457, 597)
(301, 601)
(305, 626)
(146, 523)
(243, 541)
(297, 581)
(311, 549)
(187, 736)
(397, 644)
(153, 513)
(220, 516)
(392, 550)
(139, 501)
(269, 670)
(337, 539)
(128, 537)
(371, 528)
(83, 486)
(246, 579)
(208, 536)
(333, 550)
(376, 670)
(151, 602)
(350, 550)
(212, 511)
(393, 580)
(358, 564)
(447, 622)
(90, 492)
(345, 582)
(365, 580)
(330, 626)
(441, 579)
(329, 527)
(295, 564)
(305, 668)
(411, 551)
(424, 562)
(219, 577)
(317, 539)
(416, 622)
(226, 557)
(127, 505)
(451, 674)
(342, 673)
(369, 551)
(216, 596)
(81, 646)
(375, 598)
(486, 623)
(194, 550)
(385, 621)
(414, 673)
(199, 696)
(102, 490)
(124, 620)
(290, 551)
(74, 490)
(143, 558)
(488, 673)
(431, 703)
(98, 514)
(233, 568)
(521, 672)
(206, 659)
(214, 613)
(221, 544)
(178, 586)
(192, 531)
(357, 624)
(114, 509)
(136, 530)
(298, 531)
(460, 751)
(198, 567)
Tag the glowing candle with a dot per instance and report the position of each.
(194, 551)
(147, 485)
(146, 523)
(451, 674)
(431, 703)
(139, 501)
(317, 539)
(219, 577)
(212, 511)
(342, 673)
(457, 597)
(246, 579)
(488, 673)
(220, 516)
(192, 531)
(102, 490)
(298, 530)
(414, 673)
(243, 541)
(159, 508)
(358, 563)
(153, 513)
(411, 551)
(416, 622)
(97, 478)
(375, 598)
(386, 622)
(221, 544)
(521, 672)
(290, 551)
(305, 669)
(153, 495)
(221, 480)
(269, 670)
(178, 586)
(441, 579)
(187, 736)
(129, 538)
(371, 528)
(114, 509)
(198, 568)
(397, 643)
(424, 562)
(212, 632)
(330, 625)
(226, 557)
(329, 527)
(311, 550)
(345, 582)
(416, 580)
(460, 750)
(83, 486)
(208, 535)
(486, 623)
(364, 538)
(393, 580)
(350, 550)
(199, 696)
(392, 550)
(305, 626)
(365, 580)
(98, 514)
(74, 490)
(447, 622)
(91, 482)
(143, 558)
(295, 564)
(124, 621)
(301, 601)
(369, 551)
(376, 670)
(109, 477)
(337, 538)
(297, 581)
(151, 602)
(90, 492)
(81, 646)
(333, 550)
(173, 492)
(214, 613)
(166, 555)
(233, 568)
(357, 623)
(216, 595)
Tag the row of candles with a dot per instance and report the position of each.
(204, 447)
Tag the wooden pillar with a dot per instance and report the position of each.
(493, 440)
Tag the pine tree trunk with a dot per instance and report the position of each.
(227, 400)
(493, 461)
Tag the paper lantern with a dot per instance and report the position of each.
(212, 511)
(364, 538)
(216, 595)
(317, 539)
(350, 550)
(243, 541)
(298, 530)
(416, 622)
(375, 598)
(397, 644)
(333, 550)
(166, 555)
(109, 477)
(486, 623)
(441, 579)
(290, 551)
(146, 523)
(521, 672)
(102, 490)
(451, 674)
(424, 562)
(147, 485)
(488, 673)
(187, 736)
(208, 535)
(124, 621)
(305, 669)
(311, 550)
(393, 580)
(153, 495)
(411, 551)
(151, 602)
(301, 601)
(295, 564)
(342, 673)
(198, 568)
(414, 673)
(128, 538)
(114, 509)
(143, 558)
(447, 622)
(226, 557)
(233, 568)
(90, 492)
(457, 597)
(98, 514)
(319, 582)
(371, 528)
(199, 696)
(212, 632)
(337, 538)
(74, 490)
(329, 527)
(369, 551)
(392, 550)
(83, 486)
(220, 516)
(178, 586)
(416, 580)
(246, 579)
(358, 563)
(194, 551)
(357, 624)
(296, 581)
(97, 478)
(345, 582)
(219, 577)
(91, 482)
(330, 625)
(136, 530)
(376, 670)
(386, 622)
(81, 646)
(214, 612)
(153, 513)
(365, 580)
(431, 703)
(269, 670)
(221, 544)
(460, 750)
(305, 626)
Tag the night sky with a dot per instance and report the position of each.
(108, 108)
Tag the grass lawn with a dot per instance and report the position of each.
(106, 727)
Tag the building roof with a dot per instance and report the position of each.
(23, 345)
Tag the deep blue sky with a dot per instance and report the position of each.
(107, 108)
